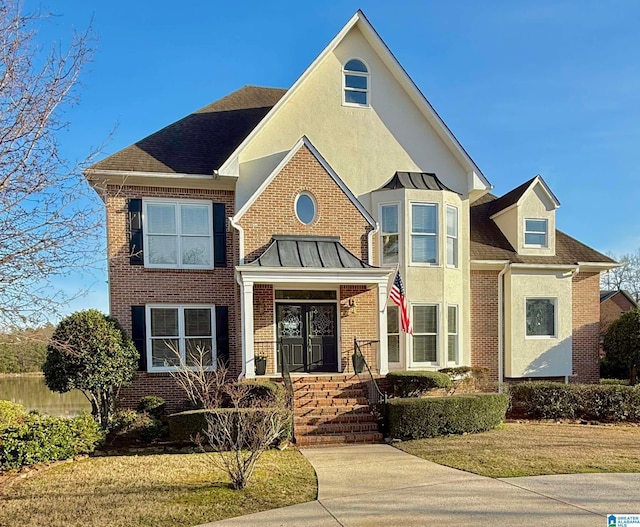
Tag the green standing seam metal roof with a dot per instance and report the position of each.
(309, 252)
(200, 142)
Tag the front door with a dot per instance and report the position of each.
(308, 333)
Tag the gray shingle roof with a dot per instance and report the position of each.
(415, 180)
(488, 242)
(201, 142)
(308, 251)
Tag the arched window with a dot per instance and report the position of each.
(356, 83)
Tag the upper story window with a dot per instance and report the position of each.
(424, 233)
(452, 236)
(390, 233)
(356, 83)
(305, 208)
(178, 234)
(536, 232)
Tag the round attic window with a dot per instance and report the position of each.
(305, 208)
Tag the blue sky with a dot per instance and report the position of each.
(545, 87)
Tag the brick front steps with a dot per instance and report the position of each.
(330, 410)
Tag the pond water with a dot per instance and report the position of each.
(31, 392)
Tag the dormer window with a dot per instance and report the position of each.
(535, 232)
(356, 83)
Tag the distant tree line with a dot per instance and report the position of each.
(24, 351)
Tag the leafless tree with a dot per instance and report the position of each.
(626, 277)
(48, 215)
(241, 432)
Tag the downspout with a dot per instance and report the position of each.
(370, 242)
(573, 275)
(240, 284)
(501, 326)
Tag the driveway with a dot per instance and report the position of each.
(378, 485)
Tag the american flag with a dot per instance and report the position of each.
(399, 298)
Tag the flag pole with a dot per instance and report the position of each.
(393, 277)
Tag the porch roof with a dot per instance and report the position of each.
(314, 252)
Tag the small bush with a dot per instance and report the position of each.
(186, 426)
(263, 393)
(140, 426)
(153, 405)
(417, 418)
(45, 439)
(602, 402)
(11, 414)
(417, 383)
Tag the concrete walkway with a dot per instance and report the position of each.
(378, 485)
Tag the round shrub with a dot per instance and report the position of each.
(139, 426)
(417, 383)
(153, 405)
(416, 418)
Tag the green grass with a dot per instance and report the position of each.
(153, 490)
(533, 449)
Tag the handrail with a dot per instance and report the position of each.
(288, 386)
(375, 396)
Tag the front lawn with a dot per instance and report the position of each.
(534, 449)
(152, 491)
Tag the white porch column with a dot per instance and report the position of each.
(383, 351)
(248, 362)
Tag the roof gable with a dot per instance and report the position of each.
(516, 196)
(230, 166)
(200, 142)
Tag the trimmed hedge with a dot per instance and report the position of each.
(417, 418)
(417, 383)
(45, 439)
(602, 402)
(185, 426)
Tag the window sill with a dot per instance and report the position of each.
(355, 105)
(540, 337)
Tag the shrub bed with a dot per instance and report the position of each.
(11, 414)
(602, 402)
(417, 418)
(39, 439)
(416, 383)
(186, 426)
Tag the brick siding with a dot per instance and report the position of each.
(484, 321)
(586, 327)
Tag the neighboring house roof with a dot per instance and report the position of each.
(513, 197)
(415, 180)
(200, 142)
(308, 251)
(488, 242)
(606, 295)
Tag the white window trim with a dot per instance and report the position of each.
(181, 335)
(315, 208)
(555, 318)
(367, 75)
(455, 238)
(399, 334)
(438, 334)
(437, 234)
(546, 234)
(457, 335)
(177, 203)
(383, 233)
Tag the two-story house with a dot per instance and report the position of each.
(282, 215)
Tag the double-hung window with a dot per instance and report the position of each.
(180, 335)
(452, 236)
(425, 333)
(535, 232)
(390, 234)
(178, 234)
(452, 334)
(541, 317)
(393, 333)
(424, 233)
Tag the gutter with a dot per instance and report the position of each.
(501, 325)
(236, 226)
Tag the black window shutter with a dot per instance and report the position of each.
(222, 334)
(219, 235)
(139, 334)
(135, 232)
